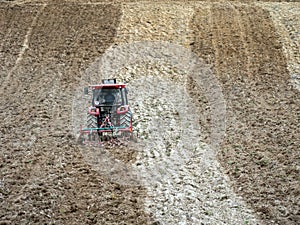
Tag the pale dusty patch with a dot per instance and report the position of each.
(185, 184)
(286, 17)
(155, 21)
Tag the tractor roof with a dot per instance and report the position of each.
(107, 86)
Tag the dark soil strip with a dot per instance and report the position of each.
(44, 178)
(261, 150)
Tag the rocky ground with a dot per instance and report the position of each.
(218, 143)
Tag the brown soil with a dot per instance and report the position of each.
(43, 175)
(261, 149)
(44, 178)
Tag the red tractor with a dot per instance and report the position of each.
(110, 116)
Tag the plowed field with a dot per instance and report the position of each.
(252, 50)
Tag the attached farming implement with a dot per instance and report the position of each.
(109, 118)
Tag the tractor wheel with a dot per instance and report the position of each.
(125, 119)
(91, 121)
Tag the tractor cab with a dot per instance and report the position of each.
(109, 95)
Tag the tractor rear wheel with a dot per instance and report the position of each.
(125, 119)
(92, 123)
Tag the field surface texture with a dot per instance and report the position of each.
(214, 90)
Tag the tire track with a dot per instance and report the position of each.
(25, 44)
(215, 36)
(243, 38)
(13, 19)
(229, 44)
